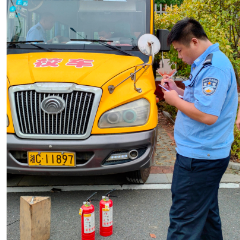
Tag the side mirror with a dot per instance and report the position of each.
(162, 35)
(148, 44)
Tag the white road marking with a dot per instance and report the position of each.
(104, 187)
(229, 185)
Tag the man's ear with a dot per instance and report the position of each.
(195, 41)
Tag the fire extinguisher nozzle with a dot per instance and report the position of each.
(89, 198)
(108, 194)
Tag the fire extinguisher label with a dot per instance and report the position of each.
(89, 222)
(80, 211)
(107, 217)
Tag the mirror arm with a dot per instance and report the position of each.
(133, 75)
(135, 80)
(150, 44)
(139, 90)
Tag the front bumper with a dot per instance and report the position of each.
(101, 145)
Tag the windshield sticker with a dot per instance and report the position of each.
(48, 62)
(209, 86)
(54, 62)
(11, 15)
(12, 9)
(79, 63)
(19, 2)
(25, 3)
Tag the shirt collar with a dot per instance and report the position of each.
(202, 57)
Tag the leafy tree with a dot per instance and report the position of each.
(220, 20)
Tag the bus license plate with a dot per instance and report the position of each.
(56, 159)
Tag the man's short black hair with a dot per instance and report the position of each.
(186, 29)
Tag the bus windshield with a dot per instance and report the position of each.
(121, 22)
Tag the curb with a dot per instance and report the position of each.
(161, 169)
(105, 187)
(235, 166)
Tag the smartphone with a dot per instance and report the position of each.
(168, 90)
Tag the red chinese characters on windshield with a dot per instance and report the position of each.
(48, 62)
(54, 62)
(79, 63)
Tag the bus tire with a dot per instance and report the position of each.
(139, 176)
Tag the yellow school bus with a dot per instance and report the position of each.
(80, 93)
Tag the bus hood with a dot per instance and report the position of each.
(91, 69)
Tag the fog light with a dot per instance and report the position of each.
(129, 116)
(133, 154)
(118, 156)
(7, 121)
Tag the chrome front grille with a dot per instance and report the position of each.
(74, 122)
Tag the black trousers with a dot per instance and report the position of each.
(194, 214)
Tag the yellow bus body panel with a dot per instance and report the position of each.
(10, 128)
(107, 69)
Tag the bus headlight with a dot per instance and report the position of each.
(135, 113)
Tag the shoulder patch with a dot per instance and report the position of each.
(209, 86)
(38, 28)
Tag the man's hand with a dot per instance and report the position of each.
(168, 83)
(238, 120)
(238, 123)
(171, 97)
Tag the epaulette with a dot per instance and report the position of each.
(208, 60)
(38, 28)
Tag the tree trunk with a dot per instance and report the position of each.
(237, 77)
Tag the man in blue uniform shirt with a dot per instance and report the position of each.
(203, 132)
(38, 32)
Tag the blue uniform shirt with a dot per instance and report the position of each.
(213, 91)
(35, 33)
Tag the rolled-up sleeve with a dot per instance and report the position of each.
(211, 91)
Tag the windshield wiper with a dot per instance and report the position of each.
(31, 42)
(91, 40)
(102, 42)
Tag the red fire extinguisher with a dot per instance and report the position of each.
(106, 216)
(88, 219)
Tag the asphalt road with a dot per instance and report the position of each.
(136, 214)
